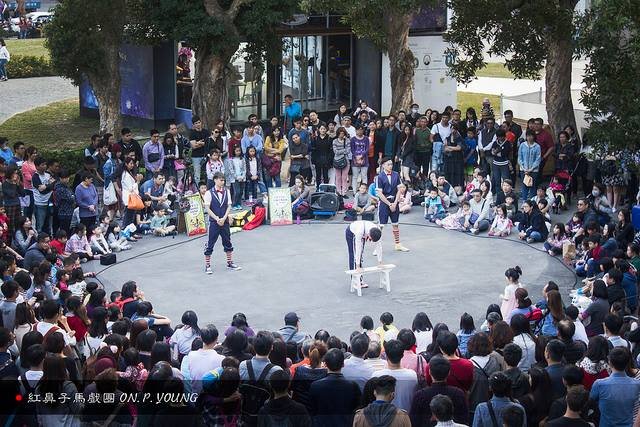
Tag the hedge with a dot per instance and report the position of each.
(20, 67)
(71, 160)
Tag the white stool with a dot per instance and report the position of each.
(383, 270)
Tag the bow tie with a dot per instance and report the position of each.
(220, 191)
(389, 174)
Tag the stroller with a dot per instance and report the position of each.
(561, 187)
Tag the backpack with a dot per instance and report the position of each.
(534, 316)
(255, 393)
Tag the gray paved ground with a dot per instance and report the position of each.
(18, 95)
(300, 268)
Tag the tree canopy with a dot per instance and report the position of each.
(609, 35)
(217, 26)
(386, 23)
(529, 34)
(77, 34)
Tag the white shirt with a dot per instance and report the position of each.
(407, 381)
(201, 362)
(528, 347)
(207, 199)
(182, 339)
(581, 333)
(423, 339)
(355, 369)
(351, 131)
(360, 230)
(129, 185)
(444, 131)
(4, 53)
(43, 328)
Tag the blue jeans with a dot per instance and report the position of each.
(196, 164)
(269, 181)
(535, 235)
(251, 189)
(42, 218)
(498, 174)
(527, 193)
(3, 70)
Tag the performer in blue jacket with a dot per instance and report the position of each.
(217, 203)
(386, 189)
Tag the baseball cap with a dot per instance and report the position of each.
(291, 318)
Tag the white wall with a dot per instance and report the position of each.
(432, 87)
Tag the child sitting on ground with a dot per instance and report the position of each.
(433, 208)
(62, 279)
(467, 330)
(135, 371)
(79, 245)
(362, 204)
(575, 224)
(404, 199)
(459, 220)
(556, 240)
(76, 283)
(99, 244)
(510, 206)
(160, 223)
(117, 239)
(501, 226)
(60, 242)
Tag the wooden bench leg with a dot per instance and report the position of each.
(387, 281)
(355, 284)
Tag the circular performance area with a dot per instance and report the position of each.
(302, 267)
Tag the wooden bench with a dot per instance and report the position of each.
(383, 270)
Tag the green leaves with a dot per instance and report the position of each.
(517, 29)
(79, 32)
(609, 35)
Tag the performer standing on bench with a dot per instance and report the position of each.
(386, 189)
(217, 202)
(357, 234)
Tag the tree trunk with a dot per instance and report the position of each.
(20, 7)
(210, 98)
(107, 91)
(401, 61)
(558, 82)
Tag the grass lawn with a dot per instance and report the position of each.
(27, 47)
(56, 126)
(495, 69)
(471, 99)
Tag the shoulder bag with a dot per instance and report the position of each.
(341, 162)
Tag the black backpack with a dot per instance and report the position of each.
(255, 393)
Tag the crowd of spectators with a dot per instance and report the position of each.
(71, 354)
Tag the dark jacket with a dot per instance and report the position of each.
(322, 151)
(283, 412)
(301, 383)
(259, 163)
(33, 256)
(519, 382)
(574, 351)
(334, 401)
(381, 140)
(421, 412)
(534, 221)
(406, 150)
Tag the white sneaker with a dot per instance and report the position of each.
(401, 248)
(208, 269)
